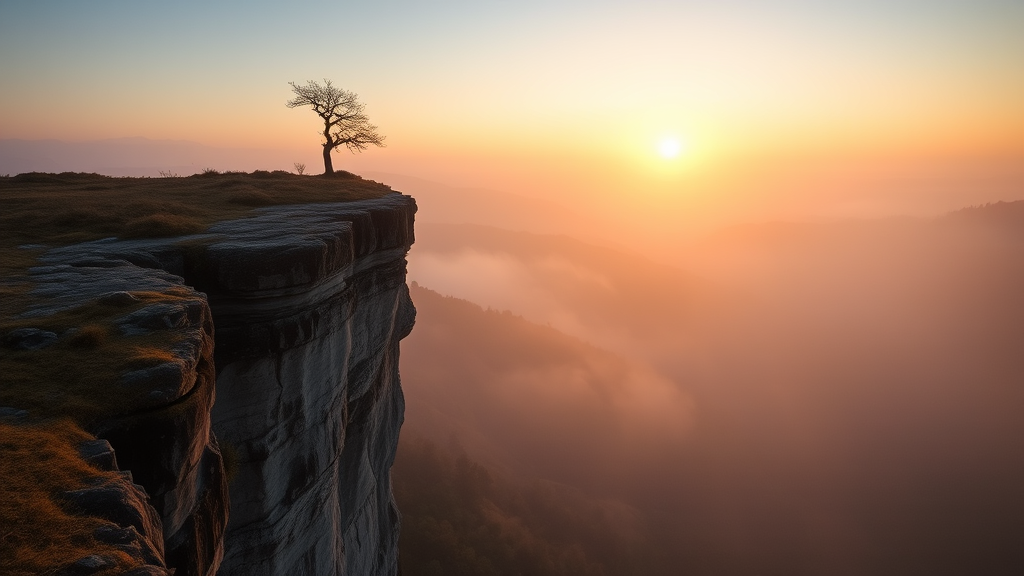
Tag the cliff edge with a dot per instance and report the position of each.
(290, 319)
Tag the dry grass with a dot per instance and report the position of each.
(58, 209)
(37, 534)
(90, 336)
(78, 376)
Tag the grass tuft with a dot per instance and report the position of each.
(161, 225)
(74, 217)
(89, 337)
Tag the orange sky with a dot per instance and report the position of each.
(564, 100)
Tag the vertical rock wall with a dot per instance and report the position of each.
(309, 403)
(309, 303)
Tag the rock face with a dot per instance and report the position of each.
(165, 438)
(309, 400)
(134, 526)
(309, 304)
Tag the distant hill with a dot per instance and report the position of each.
(527, 397)
(1008, 216)
(517, 443)
(460, 518)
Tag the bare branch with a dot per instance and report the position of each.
(345, 124)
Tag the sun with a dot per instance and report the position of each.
(670, 147)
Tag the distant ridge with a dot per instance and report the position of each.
(1008, 215)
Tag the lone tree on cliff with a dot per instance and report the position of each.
(342, 113)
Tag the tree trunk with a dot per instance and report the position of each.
(328, 165)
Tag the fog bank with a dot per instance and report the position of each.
(845, 398)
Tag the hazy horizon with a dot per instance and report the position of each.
(660, 231)
(793, 110)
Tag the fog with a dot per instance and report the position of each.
(816, 397)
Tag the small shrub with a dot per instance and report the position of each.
(209, 172)
(300, 168)
(168, 174)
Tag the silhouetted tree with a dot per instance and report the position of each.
(342, 113)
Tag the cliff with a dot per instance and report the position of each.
(254, 396)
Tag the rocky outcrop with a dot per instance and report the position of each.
(309, 304)
(158, 416)
(133, 526)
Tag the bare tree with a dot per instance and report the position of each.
(342, 113)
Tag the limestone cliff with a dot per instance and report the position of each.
(299, 311)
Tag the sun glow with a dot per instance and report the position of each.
(670, 148)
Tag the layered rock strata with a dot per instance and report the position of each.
(309, 304)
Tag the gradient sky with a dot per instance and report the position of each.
(539, 96)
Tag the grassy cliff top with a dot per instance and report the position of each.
(56, 209)
(40, 211)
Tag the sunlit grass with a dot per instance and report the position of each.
(38, 532)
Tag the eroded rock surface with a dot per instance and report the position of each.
(134, 526)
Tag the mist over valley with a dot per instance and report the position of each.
(796, 398)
